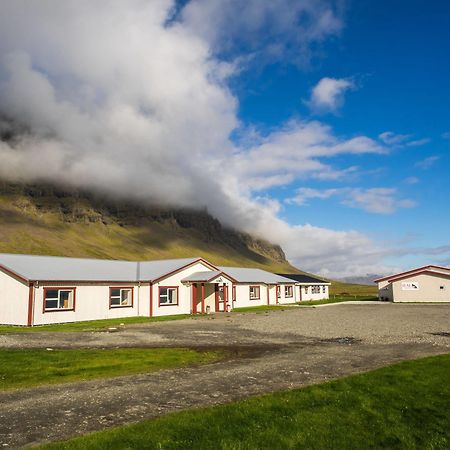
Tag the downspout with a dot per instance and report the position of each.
(30, 304)
(138, 278)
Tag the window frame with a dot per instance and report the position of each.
(291, 287)
(306, 289)
(315, 289)
(121, 288)
(59, 289)
(168, 304)
(258, 292)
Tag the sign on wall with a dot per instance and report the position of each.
(410, 285)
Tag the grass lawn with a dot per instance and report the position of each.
(27, 368)
(405, 406)
(340, 299)
(89, 325)
(335, 299)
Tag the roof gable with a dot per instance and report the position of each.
(433, 268)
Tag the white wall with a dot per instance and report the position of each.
(283, 300)
(429, 289)
(243, 295)
(310, 296)
(91, 303)
(184, 293)
(13, 300)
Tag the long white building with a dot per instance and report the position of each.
(38, 290)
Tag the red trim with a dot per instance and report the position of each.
(151, 298)
(216, 296)
(194, 298)
(233, 293)
(222, 274)
(390, 277)
(428, 272)
(225, 297)
(121, 306)
(30, 305)
(167, 304)
(203, 298)
(300, 291)
(156, 280)
(14, 274)
(58, 288)
(277, 293)
(258, 291)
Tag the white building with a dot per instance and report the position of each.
(424, 284)
(37, 290)
(308, 287)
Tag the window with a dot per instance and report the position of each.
(315, 289)
(306, 289)
(324, 289)
(168, 296)
(120, 297)
(59, 299)
(254, 293)
(278, 292)
(233, 293)
(288, 291)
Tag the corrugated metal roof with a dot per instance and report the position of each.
(56, 268)
(301, 278)
(203, 276)
(152, 270)
(249, 275)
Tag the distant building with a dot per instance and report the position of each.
(38, 290)
(308, 287)
(424, 284)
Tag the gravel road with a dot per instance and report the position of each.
(269, 351)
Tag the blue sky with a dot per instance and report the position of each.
(397, 57)
(319, 125)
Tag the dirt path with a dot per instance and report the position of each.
(266, 358)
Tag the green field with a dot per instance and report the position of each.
(90, 325)
(405, 406)
(28, 368)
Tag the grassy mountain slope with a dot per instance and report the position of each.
(42, 219)
(45, 220)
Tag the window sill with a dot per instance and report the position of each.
(58, 310)
(119, 306)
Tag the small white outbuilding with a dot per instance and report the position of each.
(425, 284)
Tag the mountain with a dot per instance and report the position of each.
(49, 220)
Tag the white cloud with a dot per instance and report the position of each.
(411, 180)
(446, 135)
(373, 200)
(328, 94)
(128, 101)
(427, 162)
(401, 140)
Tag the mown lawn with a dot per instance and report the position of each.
(27, 368)
(405, 406)
(89, 325)
(340, 299)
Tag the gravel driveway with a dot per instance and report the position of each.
(268, 351)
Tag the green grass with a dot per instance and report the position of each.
(339, 299)
(405, 406)
(27, 368)
(89, 325)
(339, 288)
(262, 308)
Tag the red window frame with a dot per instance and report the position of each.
(57, 288)
(292, 291)
(111, 288)
(258, 290)
(168, 304)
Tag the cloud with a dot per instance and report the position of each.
(266, 31)
(374, 200)
(427, 162)
(446, 135)
(401, 140)
(134, 100)
(328, 94)
(411, 180)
